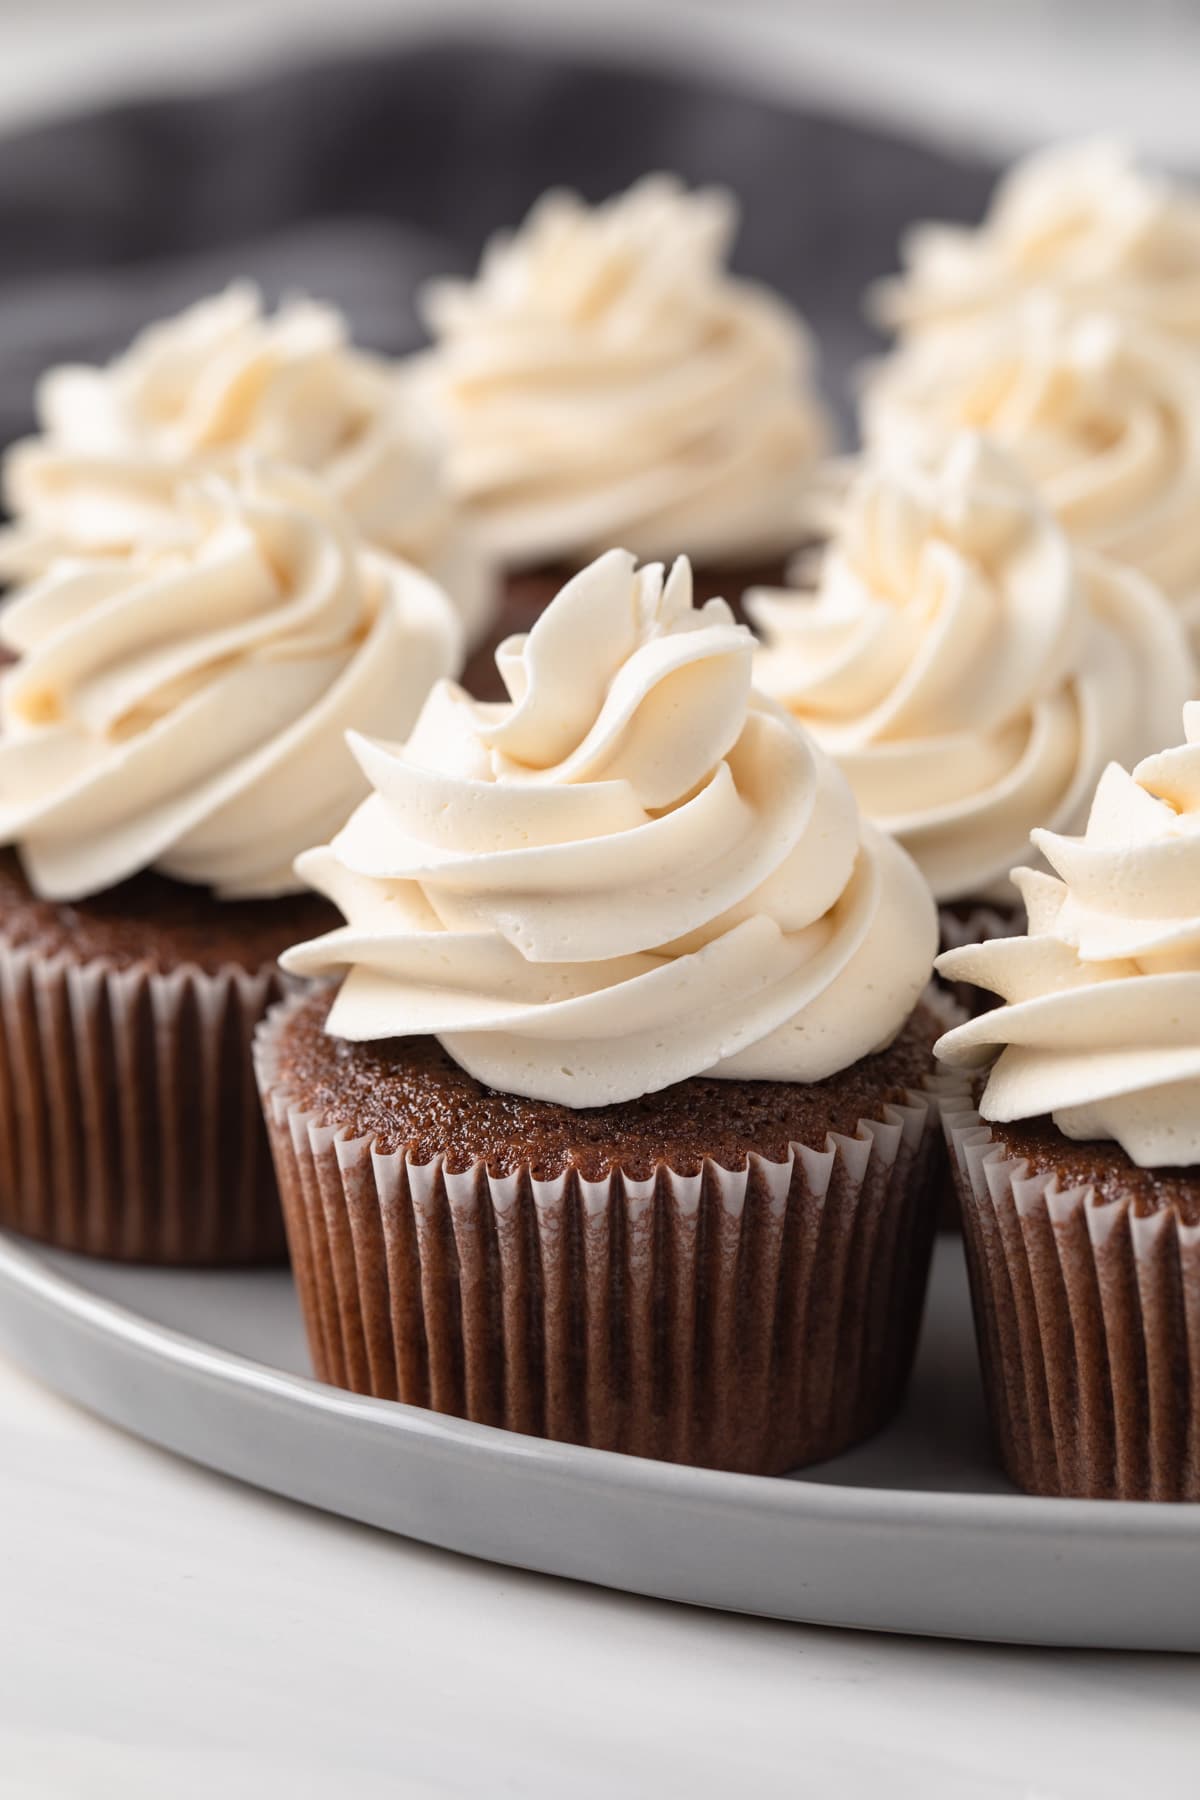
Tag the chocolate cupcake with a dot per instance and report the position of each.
(617, 1128)
(224, 379)
(1078, 1161)
(969, 670)
(605, 379)
(173, 732)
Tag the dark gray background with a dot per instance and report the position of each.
(353, 180)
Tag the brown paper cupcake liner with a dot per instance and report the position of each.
(129, 1120)
(757, 1319)
(1088, 1320)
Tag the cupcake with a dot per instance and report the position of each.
(1079, 1166)
(1103, 415)
(190, 395)
(1080, 221)
(969, 670)
(170, 736)
(616, 1129)
(605, 379)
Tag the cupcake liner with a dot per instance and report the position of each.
(1088, 1321)
(129, 1120)
(756, 1319)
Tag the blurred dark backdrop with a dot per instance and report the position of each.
(355, 179)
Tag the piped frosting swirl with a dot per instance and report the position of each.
(1102, 415)
(1100, 1021)
(634, 871)
(968, 669)
(186, 708)
(1077, 220)
(194, 393)
(605, 379)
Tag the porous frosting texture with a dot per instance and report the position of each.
(1103, 416)
(1100, 1017)
(634, 871)
(185, 708)
(1078, 220)
(604, 379)
(116, 444)
(969, 670)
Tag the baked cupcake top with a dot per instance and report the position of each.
(604, 378)
(1079, 220)
(635, 871)
(970, 671)
(190, 395)
(1103, 415)
(185, 708)
(1100, 1021)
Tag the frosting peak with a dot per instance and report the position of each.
(1100, 1021)
(185, 707)
(195, 392)
(605, 377)
(1079, 220)
(634, 871)
(1102, 415)
(970, 672)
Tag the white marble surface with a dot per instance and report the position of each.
(168, 1633)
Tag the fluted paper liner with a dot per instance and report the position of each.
(1088, 1320)
(755, 1319)
(130, 1126)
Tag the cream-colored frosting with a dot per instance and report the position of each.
(1079, 220)
(635, 871)
(970, 670)
(186, 708)
(606, 379)
(1104, 416)
(195, 392)
(1100, 1021)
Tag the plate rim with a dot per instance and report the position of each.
(23, 1268)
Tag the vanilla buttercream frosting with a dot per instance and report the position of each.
(1100, 1017)
(634, 871)
(116, 444)
(1078, 220)
(185, 708)
(1103, 415)
(967, 667)
(605, 378)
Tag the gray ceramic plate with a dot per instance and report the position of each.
(913, 1532)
